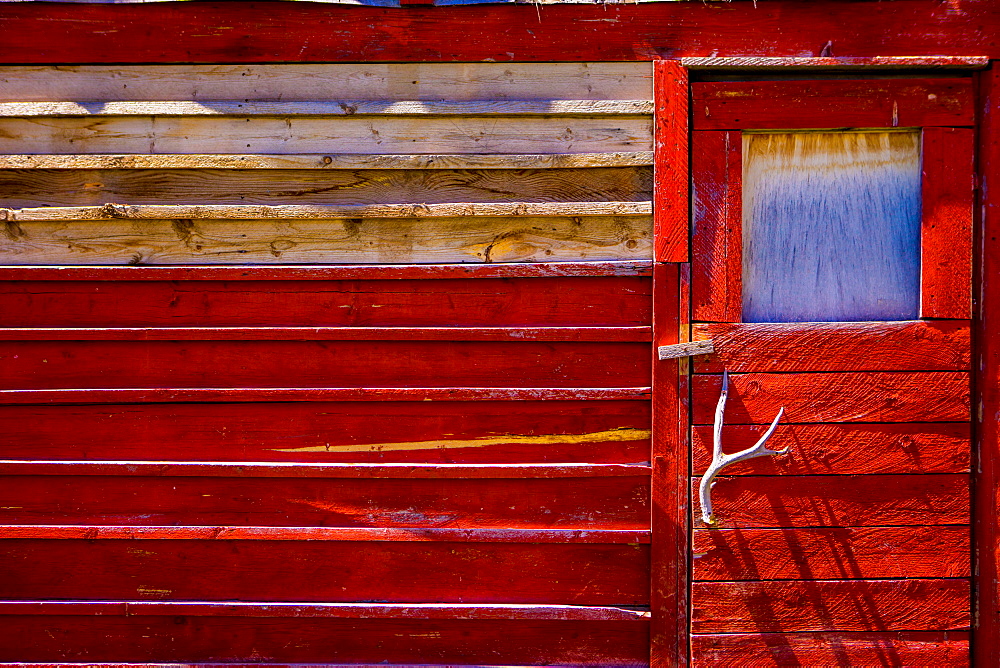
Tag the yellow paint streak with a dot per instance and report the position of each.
(611, 435)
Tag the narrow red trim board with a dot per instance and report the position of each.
(671, 180)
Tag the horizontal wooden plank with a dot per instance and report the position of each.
(831, 554)
(358, 107)
(336, 534)
(379, 432)
(840, 103)
(851, 449)
(324, 571)
(327, 334)
(839, 501)
(755, 398)
(26, 188)
(369, 81)
(352, 272)
(419, 307)
(325, 610)
(323, 394)
(847, 346)
(316, 364)
(346, 241)
(823, 605)
(928, 648)
(325, 212)
(195, 639)
(326, 134)
(327, 161)
(832, 63)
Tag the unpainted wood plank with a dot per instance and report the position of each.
(831, 554)
(842, 346)
(671, 170)
(832, 63)
(324, 571)
(946, 224)
(329, 161)
(318, 134)
(843, 449)
(72, 188)
(755, 398)
(853, 605)
(839, 103)
(914, 648)
(350, 241)
(455, 82)
(485, 432)
(317, 364)
(742, 502)
(717, 234)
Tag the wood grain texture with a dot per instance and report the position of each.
(432, 432)
(177, 637)
(950, 648)
(329, 161)
(90, 187)
(834, 63)
(717, 236)
(348, 241)
(865, 605)
(842, 346)
(325, 571)
(831, 554)
(329, 134)
(839, 501)
(672, 208)
(755, 398)
(844, 449)
(947, 201)
(882, 103)
(275, 364)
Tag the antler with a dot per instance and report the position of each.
(720, 460)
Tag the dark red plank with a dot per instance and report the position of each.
(832, 649)
(946, 200)
(252, 570)
(189, 639)
(754, 398)
(875, 103)
(828, 554)
(854, 605)
(670, 172)
(179, 302)
(839, 501)
(275, 364)
(436, 431)
(717, 235)
(841, 346)
(824, 449)
(598, 503)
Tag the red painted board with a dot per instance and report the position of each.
(484, 302)
(585, 503)
(434, 432)
(946, 200)
(839, 501)
(717, 235)
(839, 103)
(754, 398)
(202, 639)
(941, 345)
(264, 570)
(825, 605)
(846, 449)
(831, 554)
(250, 32)
(274, 364)
(927, 648)
(671, 204)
